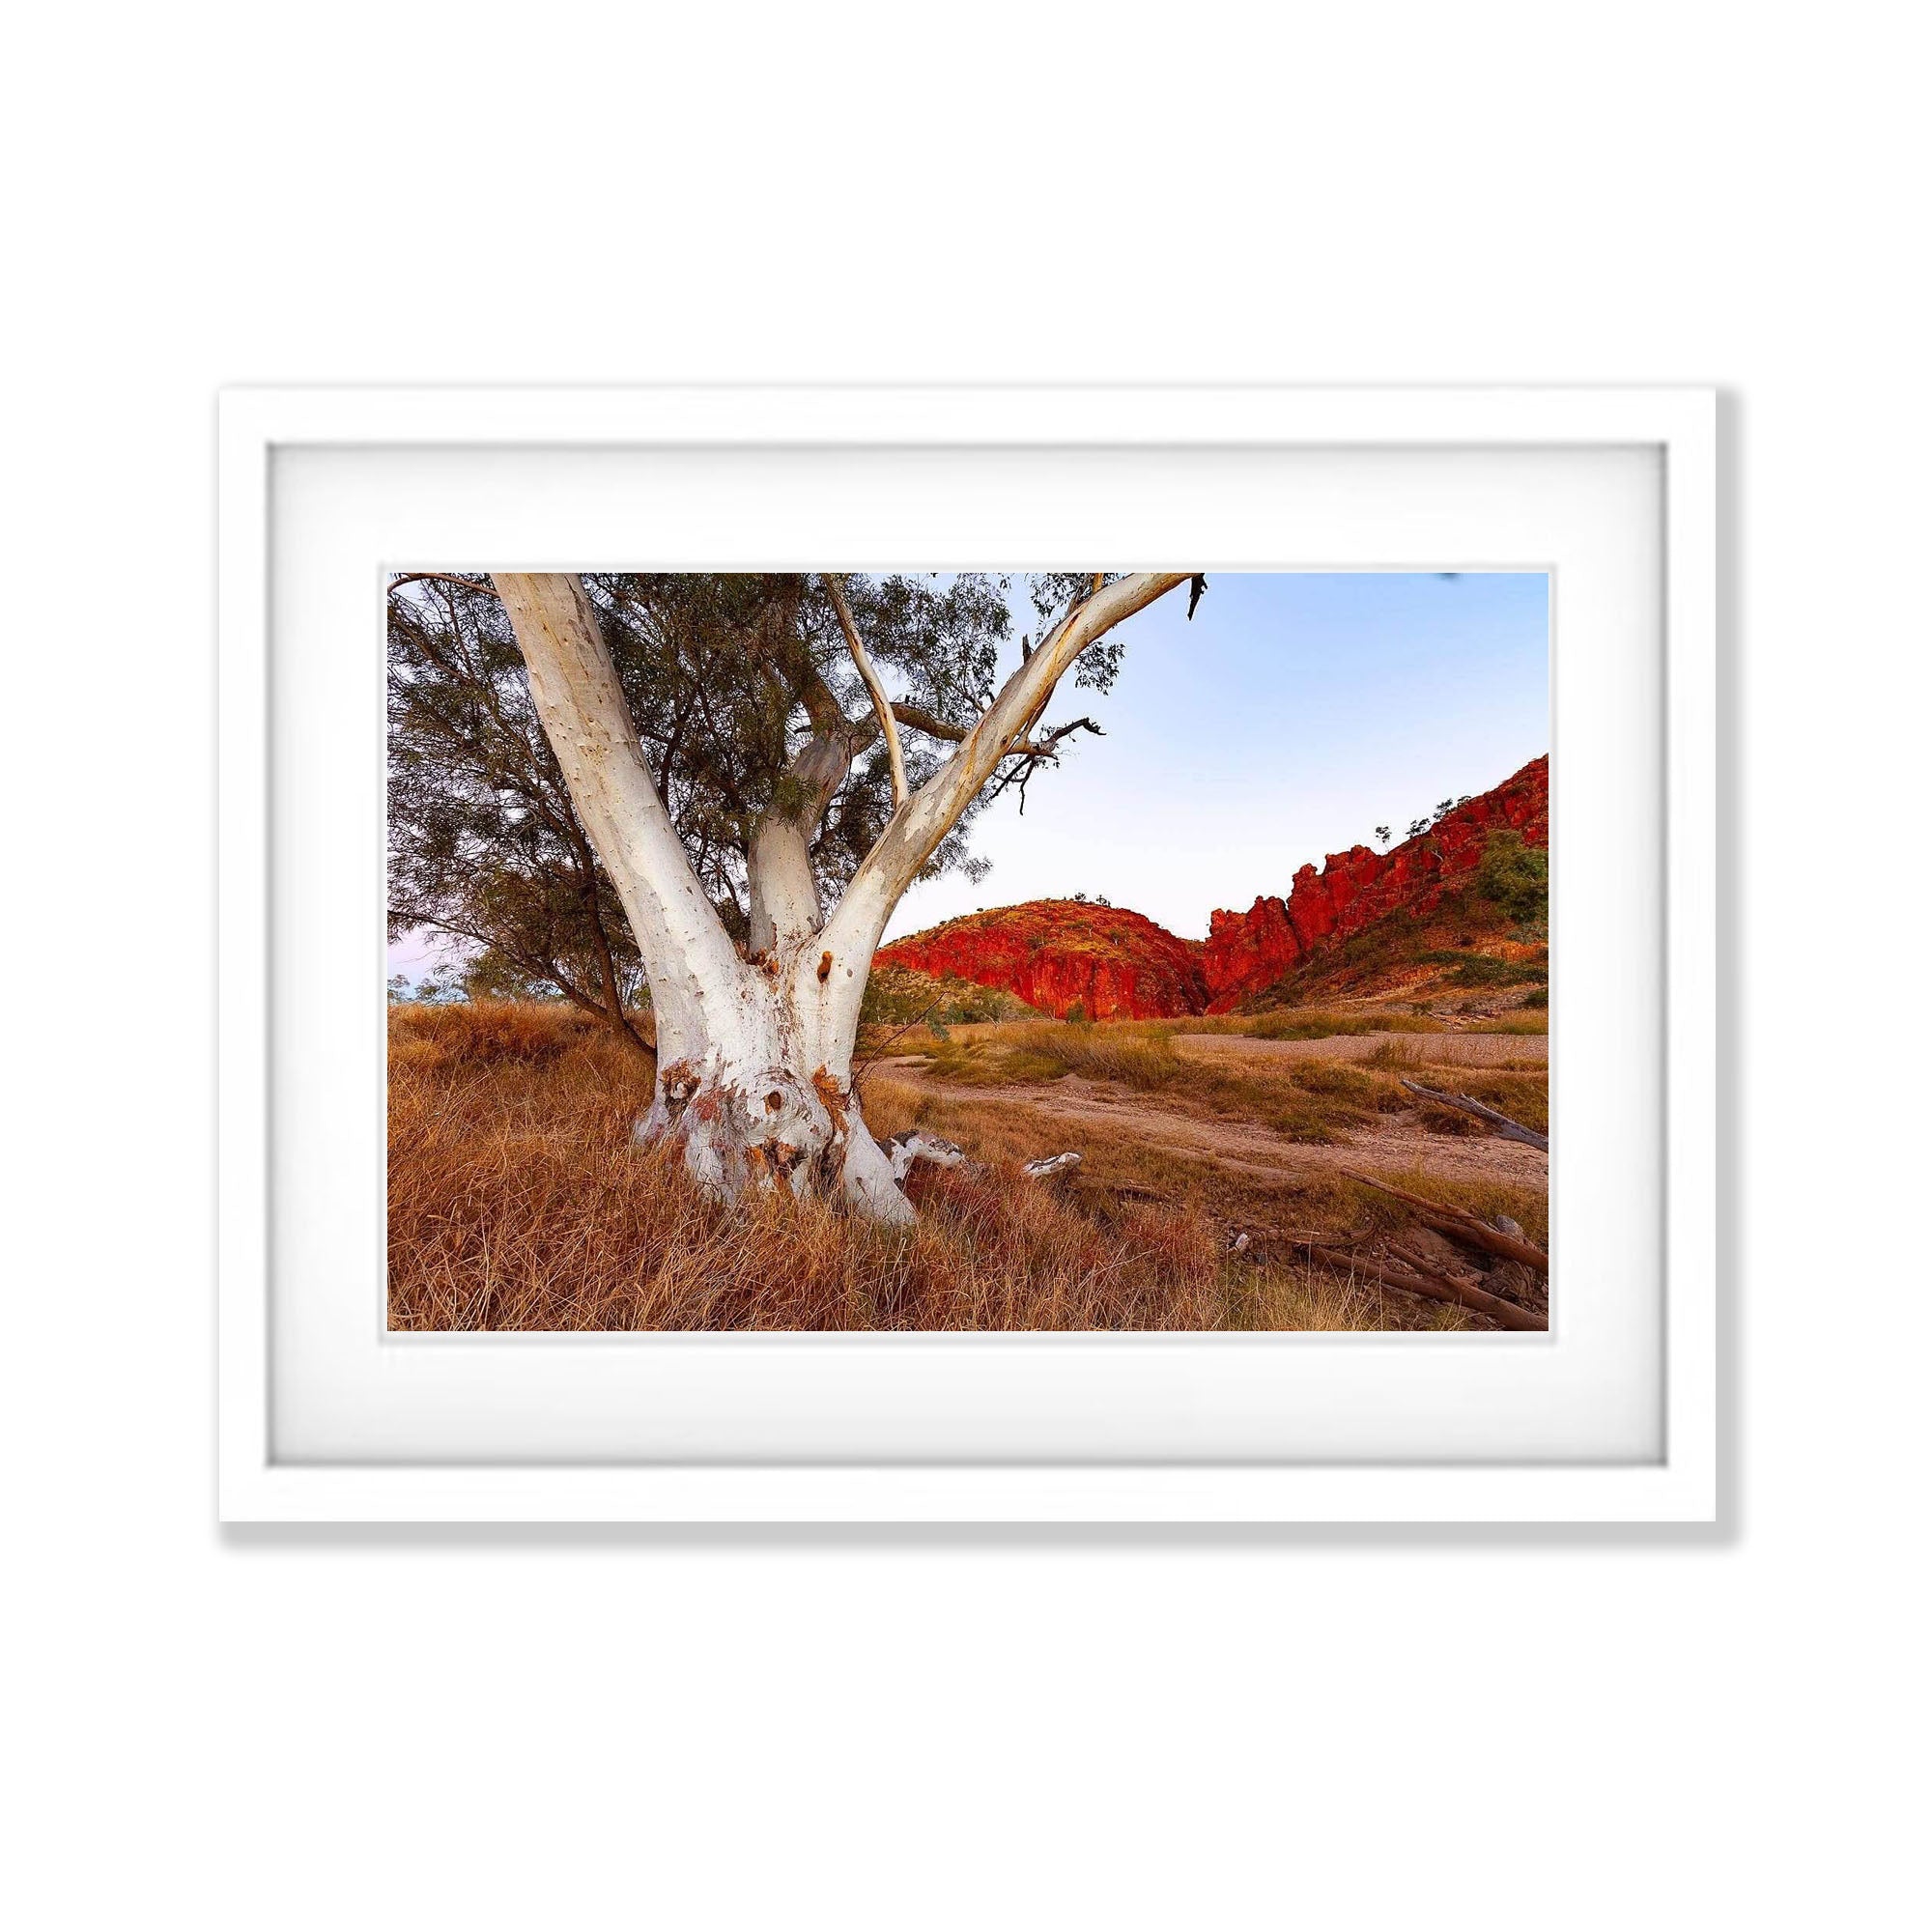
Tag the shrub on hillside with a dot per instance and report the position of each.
(1515, 877)
(898, 995)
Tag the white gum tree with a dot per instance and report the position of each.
(755, 1044)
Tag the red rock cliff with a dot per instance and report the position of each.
(1247, 951)
(1055, 954)
(1116, 964)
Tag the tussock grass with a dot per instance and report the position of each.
(483, 1033)
(1307, 1023)
(1524, 1097)
(1313, 1102)
(1370, 1210)
(1294, 1024)
(1310, 1108)
(517, 1199)
(1121, 1167)
(1392, 1054)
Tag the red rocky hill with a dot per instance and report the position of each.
(1249, 950)
(1057, 954)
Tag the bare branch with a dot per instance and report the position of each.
(881, 705)
(1459, 1225)
(916, 828)
(1048, 747)
(923, 720)
(1509, 1129)
(1044, 747)
(441, 577)
(1408, 1275)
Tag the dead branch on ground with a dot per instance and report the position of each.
(1461, 1224)
(1402, 1267)
(1509, 1129)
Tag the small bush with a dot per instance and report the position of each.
(1392, 1053)
(896, 995)
(1147, 1061)
(488, 1032)
(1515, 877)
(1479, 970)
(1334, 1080)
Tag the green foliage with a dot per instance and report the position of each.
(728, 678)
(492, 974)
(441, 986)
(1515, 877)
(1480, 969)
(898, 996)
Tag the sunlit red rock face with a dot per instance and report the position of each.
(1116, 964)
(1057, 954)
(1247, 951)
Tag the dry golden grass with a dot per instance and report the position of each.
(1124, 1167)
(1314, 1103)
(518, 1200)
(1313, 1023)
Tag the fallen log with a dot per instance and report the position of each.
(902, 1150)
(1419, 1261)
(1513, 1278)
(1509, 1129)
(1433, 1287)
(1465, 1227)
(1051, 1164)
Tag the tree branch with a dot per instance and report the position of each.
(921, 720)
(916, 828)
(881, 705)
(529, 964)
(441, 577)
(1459, 1223)
(1509, 1129)
(1405, 1274)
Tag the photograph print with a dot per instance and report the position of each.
(944, 951)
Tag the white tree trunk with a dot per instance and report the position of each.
(754, 1056)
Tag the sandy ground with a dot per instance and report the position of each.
(1390, 1147)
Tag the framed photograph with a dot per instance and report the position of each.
(968, 954)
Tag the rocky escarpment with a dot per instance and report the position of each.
(1058, 954)
(1248, 951)
(1110, 963)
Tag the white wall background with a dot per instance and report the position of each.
(427, 1729)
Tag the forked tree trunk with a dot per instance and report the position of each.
(755, 1055)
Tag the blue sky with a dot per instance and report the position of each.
(1292, 716)
(1296, 713)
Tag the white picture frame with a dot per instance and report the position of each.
(519, 1475)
